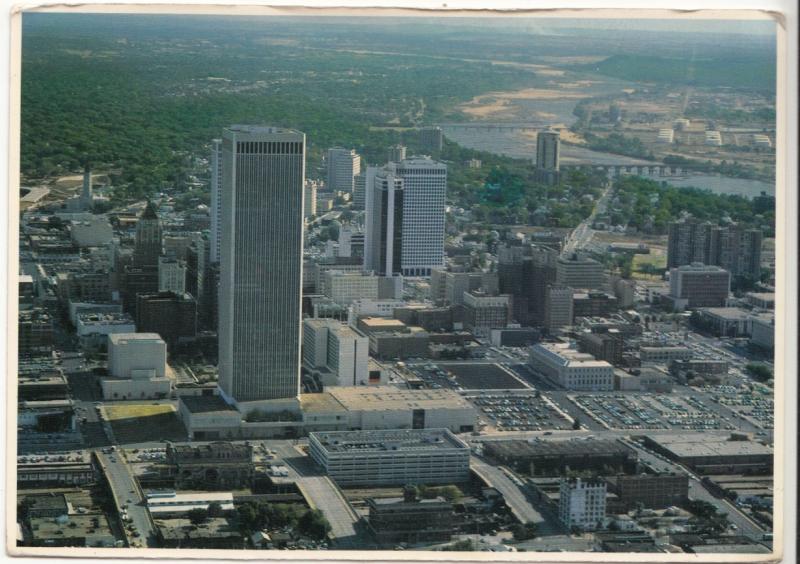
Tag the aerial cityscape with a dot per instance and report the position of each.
(409, 284)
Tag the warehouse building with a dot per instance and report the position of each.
(547, 458)
(709, 455)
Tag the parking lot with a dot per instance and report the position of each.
(146, 455)
(519, 412)
(463, 376)
(653, 411)
(753, 403)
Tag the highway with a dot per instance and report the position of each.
(126, 492)
(512, 492)
(323, 494)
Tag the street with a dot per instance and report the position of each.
(127, 493)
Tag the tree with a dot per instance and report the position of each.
(760, 371)
(214, 509)
(576, 425)
(314, 524)
(197, 516)
(525, 531)
(248, 516)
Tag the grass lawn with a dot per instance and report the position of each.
(136, 423)
(116, 412)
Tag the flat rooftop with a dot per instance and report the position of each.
(383, 398)
(119, 338)
(693, 445)
(62, 459)
(320, 403)
(206, 404)
(383, 322)
(536, 448)
(394, 440)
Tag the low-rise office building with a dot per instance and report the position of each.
(165, 504)
(571, 369)
(699, 285)
(394, 520)
(651, 491)
(664, 355)
(61, 469)
(213, 466)
(396, 457)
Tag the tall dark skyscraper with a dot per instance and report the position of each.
(149, 238)
(384, 238)
(261, 255)
(410, 226)
(548, 149)
(735, 248)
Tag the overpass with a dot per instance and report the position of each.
(510, 488)
(654, 170)
(495, 126)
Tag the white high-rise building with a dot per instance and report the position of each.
(136, 355)
(261, 263)
(343, 166)
(336, 347)
(396, 153)
(310, 199)
(582, 503)
(425, 189)
(171, 275)
(405, 207)
(216, 199)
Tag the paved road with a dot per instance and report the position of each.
(122, 482)
(512, 492)
(582, 234)
(323, 494)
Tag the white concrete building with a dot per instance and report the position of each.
(172, 503)
(138, 364)
(396, 153)
(100, 324)
(339, 351)
(571, 369)
(373, 308)
(425, 189)
(343, 166)
(395, 457)
(310, 198)
(132, 355)
(346, 287)
(582, 503)
(666, 135)
(171, 275)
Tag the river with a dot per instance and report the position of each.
(522, 145)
